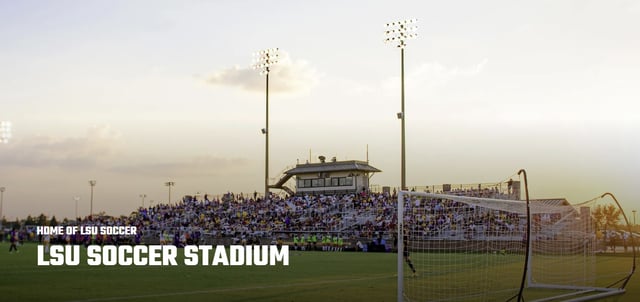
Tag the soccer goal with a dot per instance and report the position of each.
(461, 248)
(572, 247)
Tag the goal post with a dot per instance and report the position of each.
(465, 248)
(462, 248)
(572, 244)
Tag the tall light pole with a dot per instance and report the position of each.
(143, 196)
(5, 132)
(169, 184)
(634, 217)
(92, 183)
(397, 33)
(5, 135)
(264, 59)
(76, 199)
(1, 204)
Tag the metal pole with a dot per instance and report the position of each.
(266, 148)
(76, 199)
(1, 204)
(169, 184)
(92, 183)
(398, 33)
(527, 263)
(265, 59)
(403, 178)
(143, 196)
(400, 246)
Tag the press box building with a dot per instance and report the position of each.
(329, 177)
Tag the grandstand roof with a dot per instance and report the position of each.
(332, 166)
(552, 201)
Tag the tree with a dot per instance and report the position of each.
(42, 220)
(606, 217)
(29, 221)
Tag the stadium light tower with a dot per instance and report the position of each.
(263, 61)
(169, 184)
(92, 183)
(143, 196)
(76, 199)
(398, 33)
(5, 132)
(1, 203)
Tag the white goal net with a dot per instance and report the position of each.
(573, 248)
(461, 248)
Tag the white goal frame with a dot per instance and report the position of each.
(580, 293)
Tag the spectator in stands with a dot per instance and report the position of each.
(357, 216)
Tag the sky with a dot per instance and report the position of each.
(133, 94)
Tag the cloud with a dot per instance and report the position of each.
(288, 76)
(206, 165)
(98, 148)
(435, 74)
(100, 142)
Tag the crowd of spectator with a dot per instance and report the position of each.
(359, 219)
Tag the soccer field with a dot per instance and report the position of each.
(311, 276)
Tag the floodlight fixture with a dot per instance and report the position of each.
(5, 132)
(264, 59)
(400, 31)
(169, 184)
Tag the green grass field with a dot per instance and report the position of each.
(311, 276)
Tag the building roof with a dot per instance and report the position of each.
(337, 166)
(552, 201)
